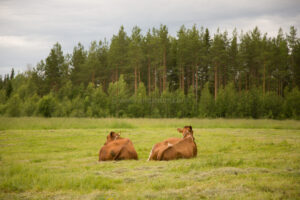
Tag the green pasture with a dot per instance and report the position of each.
(57, 158)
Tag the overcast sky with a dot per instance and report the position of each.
(29, 28)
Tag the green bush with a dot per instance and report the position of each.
(272, 105)
(244, 104)
(2, 109)
(63, 108)
(31, 105)
(255, 102)
(99, 103)
(13, 108)
(77, 105)
(230, 100)
(2, 96)
(66, 90)
(134, 110)
(221, 104)
(154, 100)
(46, 106)
(206, 104)
(292, 104)
(190, 104)
(163, 104)
(118, 96)
(138, 106)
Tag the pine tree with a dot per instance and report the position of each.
(219, 58)
(56, 69)
(118, 54)
(294, 56)
(163, 49)
(182, 55)
(136, 55)
(78, 59)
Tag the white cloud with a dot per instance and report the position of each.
(11, 41)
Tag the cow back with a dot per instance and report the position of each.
(120, 149)
(185, 148)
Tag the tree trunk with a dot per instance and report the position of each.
(165, 70)
(220, 80)
(180, 86)
(225, 76)
(240, 84)
(182, 79)
(154, 79)
(116, 78)
(196, 84)
(216, 82)
(193, 77)
(188, 79)
(264, 80)
(293, 68)
(104, 88)
(139, 73)
(246, 84)
(135, 80)
(93, 77)
(277, 87)
(117, 84)
(222, 77)
(160, 84)
(281, 88)
(149, 78)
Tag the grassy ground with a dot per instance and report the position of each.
(237, 159)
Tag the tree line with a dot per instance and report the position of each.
(193, 74)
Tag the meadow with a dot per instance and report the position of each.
(57, 158)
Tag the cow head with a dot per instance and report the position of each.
(111, 137)
(186, 131)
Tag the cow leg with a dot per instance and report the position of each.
(153, 153)
(150, 153)
(168, 153)
(134, 155)
(102, 155)
(118, 155)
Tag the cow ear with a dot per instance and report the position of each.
(180, 130)
(111, 134)
(191, 128)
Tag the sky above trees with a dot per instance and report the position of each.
(30, 28)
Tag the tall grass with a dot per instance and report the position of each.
(28, 123)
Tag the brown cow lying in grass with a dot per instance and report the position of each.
(175, 148)
(117, 148)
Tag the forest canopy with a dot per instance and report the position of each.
(192, 74)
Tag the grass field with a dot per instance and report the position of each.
(237, 159)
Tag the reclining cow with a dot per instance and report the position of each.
(117, 148)
(175, 148)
